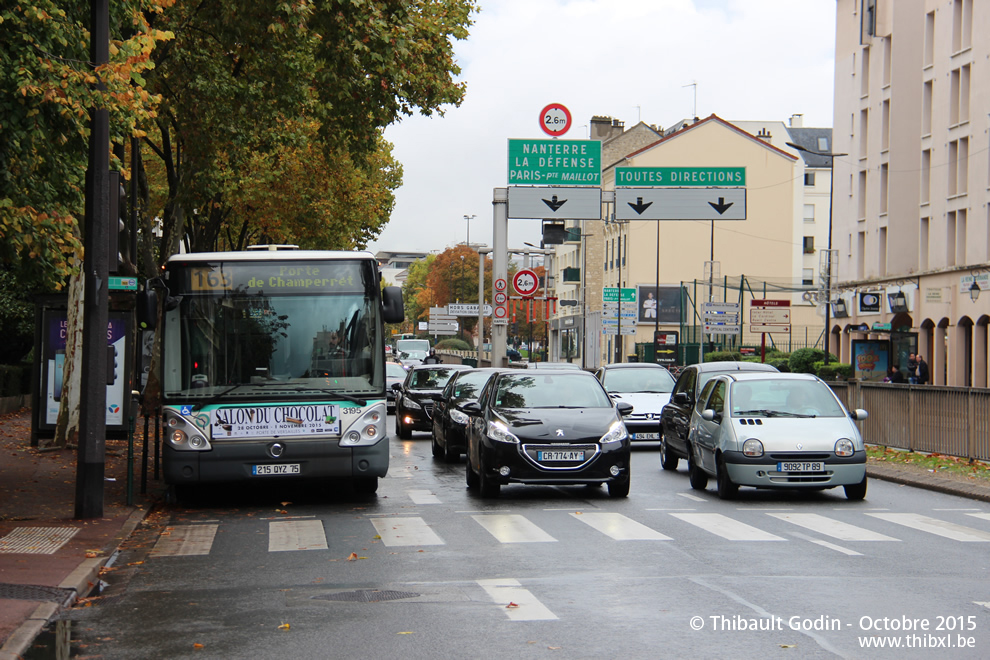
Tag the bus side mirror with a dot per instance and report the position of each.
(146, 308)
(392, 306)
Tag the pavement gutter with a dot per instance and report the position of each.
(81, 581)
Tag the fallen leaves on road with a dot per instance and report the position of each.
(197, 645)
(511, 605)
(284, 626)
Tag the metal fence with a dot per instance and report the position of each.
(954, 421)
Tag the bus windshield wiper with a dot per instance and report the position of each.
(342, 395)
(216, 397)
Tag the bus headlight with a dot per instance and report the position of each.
(367, 430)
(185, 437)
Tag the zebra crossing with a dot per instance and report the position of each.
(665, 526)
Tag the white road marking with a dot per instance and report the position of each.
(726, 527)
(423, 497)
(36, 540)
(693, 498)
(406, 531)
(834, 528)
(826, 544)
(935, 526)
(185, 540)
(291, 535)
(619, 527)
(519, 603)
(982, 516)
(513, 528)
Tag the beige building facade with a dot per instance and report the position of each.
(912, 110)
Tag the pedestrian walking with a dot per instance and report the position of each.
(922, 371)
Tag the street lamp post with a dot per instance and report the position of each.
(828, 270)
(469, 218)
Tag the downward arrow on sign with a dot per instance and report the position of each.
(639, 206)
(554, 204)
(721, 207)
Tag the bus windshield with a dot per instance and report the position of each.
(249, 332)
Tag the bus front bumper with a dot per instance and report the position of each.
(249, 460)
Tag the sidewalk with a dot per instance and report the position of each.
(47, 558)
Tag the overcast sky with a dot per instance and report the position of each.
(630, 60)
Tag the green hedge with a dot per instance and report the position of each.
(454, 344)
(834, 370)
(802, 361)
(15, 380)
(723, 356)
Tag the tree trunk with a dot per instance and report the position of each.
(67, 426)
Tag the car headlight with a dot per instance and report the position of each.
(457, 417)
(411, 404)
(844, 447)
(753, 447)
(499, 432)
(616, 433)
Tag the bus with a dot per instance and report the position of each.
(273, 366)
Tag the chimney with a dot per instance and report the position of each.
(797, 121)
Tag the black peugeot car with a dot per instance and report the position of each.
(415, 396)
(449, 422)
(555, 427)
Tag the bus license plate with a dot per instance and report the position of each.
(560, 456)
(274, 470)
(801, 466)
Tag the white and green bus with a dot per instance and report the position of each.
(273, 366)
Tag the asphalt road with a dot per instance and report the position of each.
(427, 569)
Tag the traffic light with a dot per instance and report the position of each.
(118, 235)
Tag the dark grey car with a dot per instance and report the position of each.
(675, 418)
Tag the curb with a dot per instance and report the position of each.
(933, 483)
(81, 581)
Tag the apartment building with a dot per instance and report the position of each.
(910, 214)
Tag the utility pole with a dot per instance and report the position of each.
(91, 456)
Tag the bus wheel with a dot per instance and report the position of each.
(366, 485)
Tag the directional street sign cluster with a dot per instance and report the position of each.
(618, 311)
(770, 316)
(442, 323)
(720, 318)
(553, 202)
(458, 309)
(553, 162)
(680, 193)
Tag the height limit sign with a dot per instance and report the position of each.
(555, 120)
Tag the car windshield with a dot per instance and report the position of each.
(430, 379)
(468, 385)
(783, 398)
(656, 380)
(394, 370)
(578, 390)
(413, 355)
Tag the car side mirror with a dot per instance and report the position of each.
(710, 415)
(859, 414)
(682, 399)
(397, 387)
(470, 408)
(624, 407)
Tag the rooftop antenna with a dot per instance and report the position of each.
(694, 113)
(639, 113)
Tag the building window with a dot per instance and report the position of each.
(864, 80)
(926, 176)
(860, 255)
(883, 250)
(961, 236)
(887, 47)
(929, 39)
(809, 178)
(923, 244)
(950, 238)
(809, 244)
(861, 192)
(885, 125)
(884, 173)
(809, 213)
(807, 277)
(864, 133)
(962, 25)
(958, 166)
(926, 107)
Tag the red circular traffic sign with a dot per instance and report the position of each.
(500, 298)
(500, 284)
(525, 282)
(501, 312)
(555, 119)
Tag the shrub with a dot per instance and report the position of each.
(14, 380)
(454, 344)
(723, 356)
(781, 364)
(834, 370)
(802, 361)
